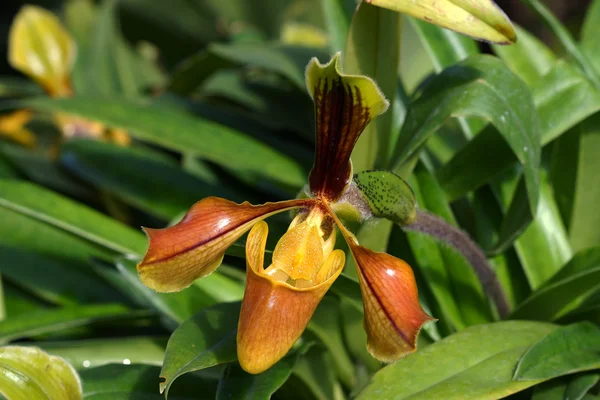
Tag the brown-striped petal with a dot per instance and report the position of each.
(195, 246)
(344, 106)
(274, 314)
(393, 315)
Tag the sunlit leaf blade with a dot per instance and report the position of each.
(48, 321)
(563, 98)
(577, 279)
(373, 49)
(589, 34)
(482, 20)
(20, 231)
(476, 363)
(460, 91)
(182, 132)
(528, 58)
(89, 353)
(205, 340)
(59, 211)
(27, 373)
(566, 350)
(565, 39)
(238, 384)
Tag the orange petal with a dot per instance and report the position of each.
(393, 315)
(274, 314)
(195, 246)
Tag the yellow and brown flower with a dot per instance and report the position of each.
(280, 299)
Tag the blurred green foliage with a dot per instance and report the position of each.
(502, 142)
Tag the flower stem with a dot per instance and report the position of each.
(460, 241)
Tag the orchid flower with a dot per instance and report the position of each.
(280, 298)
(41, 48)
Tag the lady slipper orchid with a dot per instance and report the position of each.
(280, 298)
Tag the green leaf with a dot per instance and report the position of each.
(577, 188)
(449, 276)
(182, 132)
(578, 278)
(476, 363)
(105, 55)
(444, 47)
(12, 86)
(54, 280)
(565, 39)
(59, 211)
(485, 211)
(316, 371)
(191, 73)
(176, 307)
(238, 384)
(90, 353)
(388, 195)
(551, 390)
(18, 302)
(563, 98)
(23, 232)
(544, 247)
(566, 350)
(337, 15)
(528, 58)
(126, 382)
(460, 91)
(47, 321)
(42, 169)
(143, 178)
(373, 49)
(325, 325)
(203, 341)
(589, 34)
(580, 385)
(27, 373)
